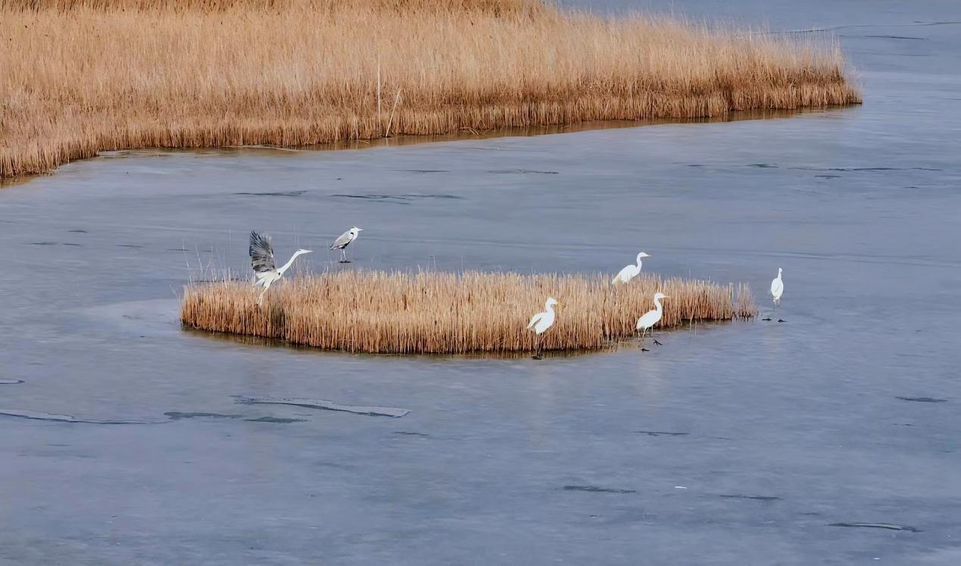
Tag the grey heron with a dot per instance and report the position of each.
(262, 260)
(344, 240)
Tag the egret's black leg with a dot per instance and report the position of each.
(537, 352)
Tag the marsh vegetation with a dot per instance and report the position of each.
(446, 313)
(83, 76)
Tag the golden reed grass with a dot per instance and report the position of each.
(444, 313)
(82, 76)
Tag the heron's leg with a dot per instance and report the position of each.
(643, 333)
(537, 351)
(267, 283)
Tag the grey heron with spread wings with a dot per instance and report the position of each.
(344, 240)
(262, 260)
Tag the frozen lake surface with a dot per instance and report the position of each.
(829, 439)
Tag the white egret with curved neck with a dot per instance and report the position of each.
(651, 318)
(630, 271)
(344, 240)
(262, 260)
(777, 288)
(541, 321)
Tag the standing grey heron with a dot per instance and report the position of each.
(651, 318)
(541, 321)
(629, 272)
(344, 240)
(262, 260)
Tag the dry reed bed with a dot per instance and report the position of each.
(82, 76)
(440, 313)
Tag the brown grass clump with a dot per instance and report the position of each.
(82, 76)
(442, 313)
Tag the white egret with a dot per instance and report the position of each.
(541, 321)
(651, 318)
(262, 260)
(629, 272)
(777, 288)
(344, 240)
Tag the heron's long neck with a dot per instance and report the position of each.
(549, 308)
(287, 265)
(657, 305)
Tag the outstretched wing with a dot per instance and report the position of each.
(261, 253)
(342, 241)
(537, 318)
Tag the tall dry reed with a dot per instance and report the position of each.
(82, 76)
(446, 313)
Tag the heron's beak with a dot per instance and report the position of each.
(308, 251)
(666, 297)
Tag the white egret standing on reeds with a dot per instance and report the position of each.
(541, 321)
(262, 260)
(344, 240)
(777, 288)
(630, 271)
(650, 319)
